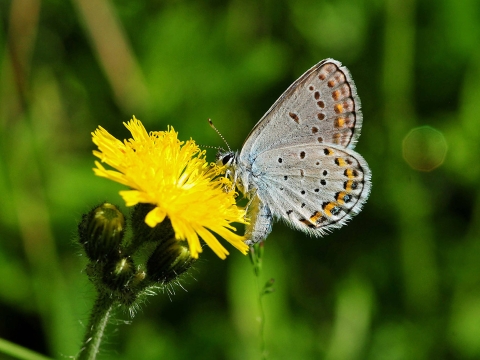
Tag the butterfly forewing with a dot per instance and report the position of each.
(321, 106)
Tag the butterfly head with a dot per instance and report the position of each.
(229, 160)
(226, 158)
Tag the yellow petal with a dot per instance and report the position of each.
(174, 177)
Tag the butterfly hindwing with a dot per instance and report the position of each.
(313, 188)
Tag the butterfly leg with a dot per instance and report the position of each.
(261, 220)
(228, 176)
(232, 176)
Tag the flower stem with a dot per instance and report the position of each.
(256, 257)
(261, 319)
(94, 332)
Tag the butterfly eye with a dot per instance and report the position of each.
(227, 158)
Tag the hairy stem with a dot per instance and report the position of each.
(101, 312)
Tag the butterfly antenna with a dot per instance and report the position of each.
(209, 147)
(218, 132)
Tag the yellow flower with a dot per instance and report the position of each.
(175, 177)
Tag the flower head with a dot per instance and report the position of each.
(174, 177)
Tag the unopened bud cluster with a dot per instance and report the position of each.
(112, 268)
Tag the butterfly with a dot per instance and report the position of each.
(298, 163)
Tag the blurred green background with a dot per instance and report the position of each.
(401, 281)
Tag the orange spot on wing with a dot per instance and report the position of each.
(348, 185)
(339, 122)
(336, 138)
(340, 162)
(350, 173)
(328, 208)
(307, 223)
(314, 218)
(340, 197)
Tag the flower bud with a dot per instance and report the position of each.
(169, 260)
(138, 278)
(118, 273)
(101, 232)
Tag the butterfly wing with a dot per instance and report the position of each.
(322, 105)
(314, 188)
(299, 158)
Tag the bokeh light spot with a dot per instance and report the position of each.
(424, 148)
